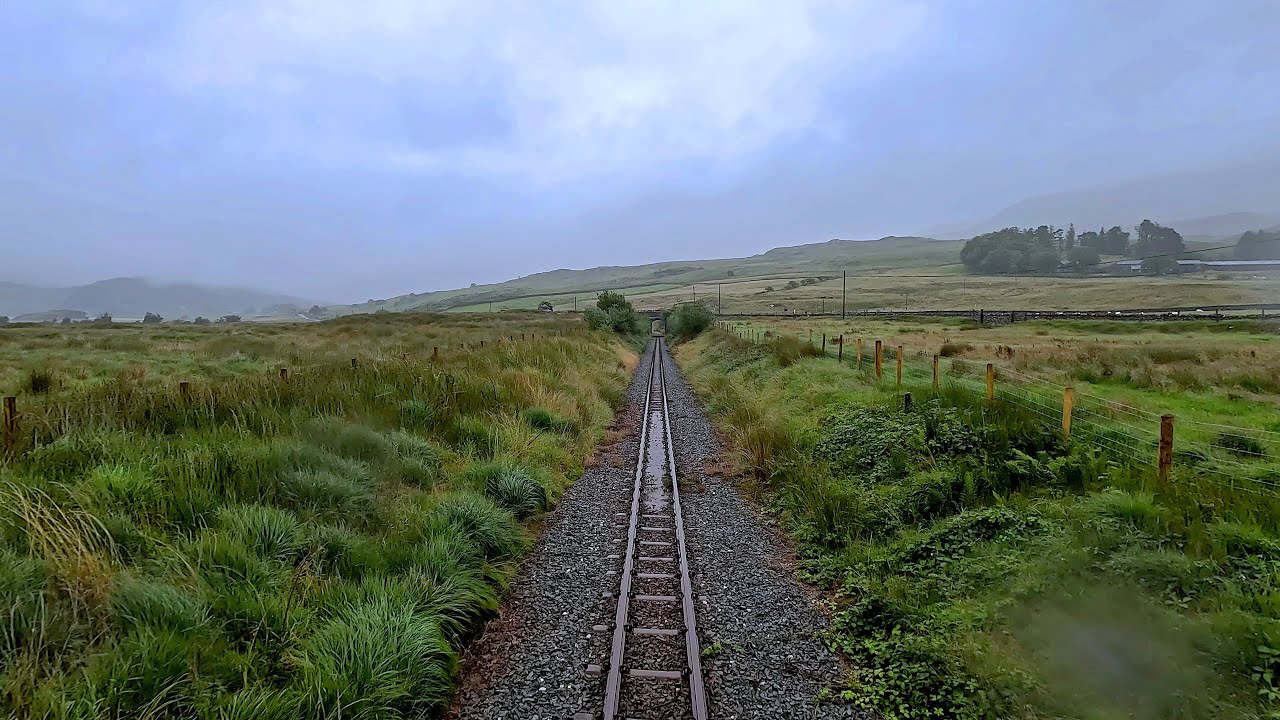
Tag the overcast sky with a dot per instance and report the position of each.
(344, 150)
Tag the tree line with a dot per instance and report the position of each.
(1047, 249)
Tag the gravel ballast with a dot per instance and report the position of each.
(530, 662)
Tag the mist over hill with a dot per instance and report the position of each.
(1213, 202)
(134, 297)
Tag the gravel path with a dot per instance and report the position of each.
(529, 663)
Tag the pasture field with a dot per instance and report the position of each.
(985, 566)
(268, 548)
(948, 289)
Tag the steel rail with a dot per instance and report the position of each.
(618, 668)
(697, 693)
(613, 682)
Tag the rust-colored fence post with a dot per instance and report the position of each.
(899, 366)
(1164, 460)
(859, 353)
(935, 373)
(1068, 402)
(10, 423)
(991, 382)
(879, 358)
(284, 374)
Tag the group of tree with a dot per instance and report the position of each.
(1046, 249)
(1258, 245)
(613, 312)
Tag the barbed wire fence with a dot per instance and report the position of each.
(1186, 452)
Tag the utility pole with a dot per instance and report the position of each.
(844, 289)
(575, 303)
(824, 307)
(717, 298)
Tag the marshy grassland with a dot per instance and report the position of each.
(260, 547)
(981, 564)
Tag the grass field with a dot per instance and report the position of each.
(986, 567)
(320, 546)
(953, 291)
(561, 301)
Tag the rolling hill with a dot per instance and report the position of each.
(134, 297)
(833, 256)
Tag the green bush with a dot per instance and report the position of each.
(689, 320)
(613, 312)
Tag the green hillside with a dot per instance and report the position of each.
(559, 286)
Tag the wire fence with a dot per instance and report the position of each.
(1185, 451)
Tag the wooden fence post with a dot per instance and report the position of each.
(184, 389)
(1164, 461)
(840, 349)
(1068, 402)
(10, 423)
(824, 343)
(935, 373)
(899, 366)
(859, 353)
(991, 382)
(906, 402)
(355, 364)
(284, 374)
(435, 354)
(878, 359)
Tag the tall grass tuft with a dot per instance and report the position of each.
(272, 533)
(375, 660)
(493, 529)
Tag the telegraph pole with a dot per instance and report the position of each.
(844, 284)
(717, 298)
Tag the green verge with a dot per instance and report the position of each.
(983, 567)
(317, 548)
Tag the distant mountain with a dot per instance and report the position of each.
(1225, 225)
(825, 258)
(1213, 202)
(134, 297)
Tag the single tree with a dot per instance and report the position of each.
(1069, 243)
(152, 319)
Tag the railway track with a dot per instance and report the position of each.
(654, 669)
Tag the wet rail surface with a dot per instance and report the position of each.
(654, 667)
